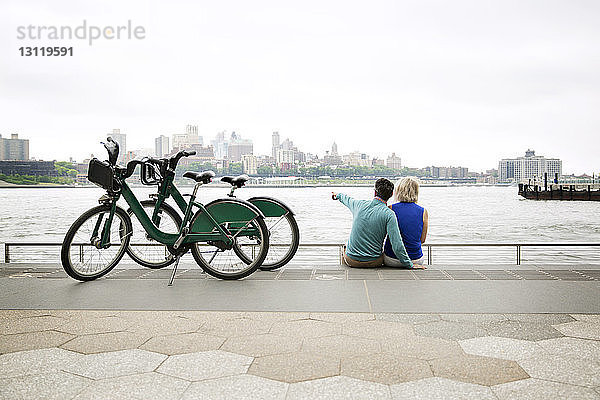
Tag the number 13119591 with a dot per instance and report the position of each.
(46, 51)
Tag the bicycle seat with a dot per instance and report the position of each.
(204, 177)
(238, 181)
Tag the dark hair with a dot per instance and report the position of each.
(384, 188)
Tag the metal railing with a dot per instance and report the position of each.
(484, 252)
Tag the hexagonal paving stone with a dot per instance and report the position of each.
(236, 327)
(237, 387)
(32, 340)
(168, 325)
(103, 342)
(338, 387)
(342, 317)
(573, 347)
(535, 389)
(576, 371)
(422, 347)
(306, 328)
(479, 370)
(30, 324)
(408, 318)
(205, 365)
(340, 346)
(183, 343)
(115, 363)
(378, 330)
(262, 345)
(521, 330)
(580, 329)
(91, 325)
(440, 389)
(137, 387)
(473, 318)
(385, 368)
(295, 367)
(36, 361)
(450, 330)
(549, 319)
(499, 347)
(58, 385)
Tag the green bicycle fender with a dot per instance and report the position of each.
(270, 207)
(223, 210)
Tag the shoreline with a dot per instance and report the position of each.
(253, 186)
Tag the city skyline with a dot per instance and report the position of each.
(444, 83)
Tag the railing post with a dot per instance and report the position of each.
(6, 253)
(518, 254)
(429, 255)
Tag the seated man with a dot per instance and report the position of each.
(372, 221)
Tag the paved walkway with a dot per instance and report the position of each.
(64, 354)
(448, 333)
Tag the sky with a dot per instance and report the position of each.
(437, 82)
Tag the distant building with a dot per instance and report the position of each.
(357, 159)
(332, 158)
(220, 146)
(527, 167)
(249, 164)
(14, 148)
(275, 144)
(393, 162)
(120, 138)
(238, 147)
(161, 146)
(37, 168)
(378, 161)
(187, 139)
(447, 172)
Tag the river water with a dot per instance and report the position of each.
(458, 214)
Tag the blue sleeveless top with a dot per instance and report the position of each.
(410, 222)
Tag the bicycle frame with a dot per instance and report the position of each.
(237, 220)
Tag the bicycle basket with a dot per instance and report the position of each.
(101, 174)
(149, 174)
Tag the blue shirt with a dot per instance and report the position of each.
(410, 222)
(372, 221)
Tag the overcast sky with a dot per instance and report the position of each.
(438, 82)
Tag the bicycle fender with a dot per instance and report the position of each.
(270, 206)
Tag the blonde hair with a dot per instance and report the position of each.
(406, 190)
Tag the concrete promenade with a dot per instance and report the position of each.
(484, 332)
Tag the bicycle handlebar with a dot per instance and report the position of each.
(175, 159)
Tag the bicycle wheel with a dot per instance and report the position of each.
(223, 262)
(84, 261)
(284, 238)
(142, 248)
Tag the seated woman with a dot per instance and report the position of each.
(413, 221)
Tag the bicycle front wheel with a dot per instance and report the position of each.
(142, 248)
(223, 261)
(80, 257)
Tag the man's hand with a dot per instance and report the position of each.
(418, 266)
(333, 196)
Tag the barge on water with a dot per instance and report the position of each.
(560, 190)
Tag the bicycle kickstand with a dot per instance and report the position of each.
(174, 271)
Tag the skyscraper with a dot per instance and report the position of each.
(185, 140)
(161, 146)
(275, 145)
(120, 138)
(14, 148)
(238, 147)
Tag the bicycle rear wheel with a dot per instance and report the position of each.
(284, 239)
(80, 258)
(223, 261)
(142, 248)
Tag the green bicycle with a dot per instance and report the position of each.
(284, 235)
(215, 233)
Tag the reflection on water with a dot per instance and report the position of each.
(457, 215)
